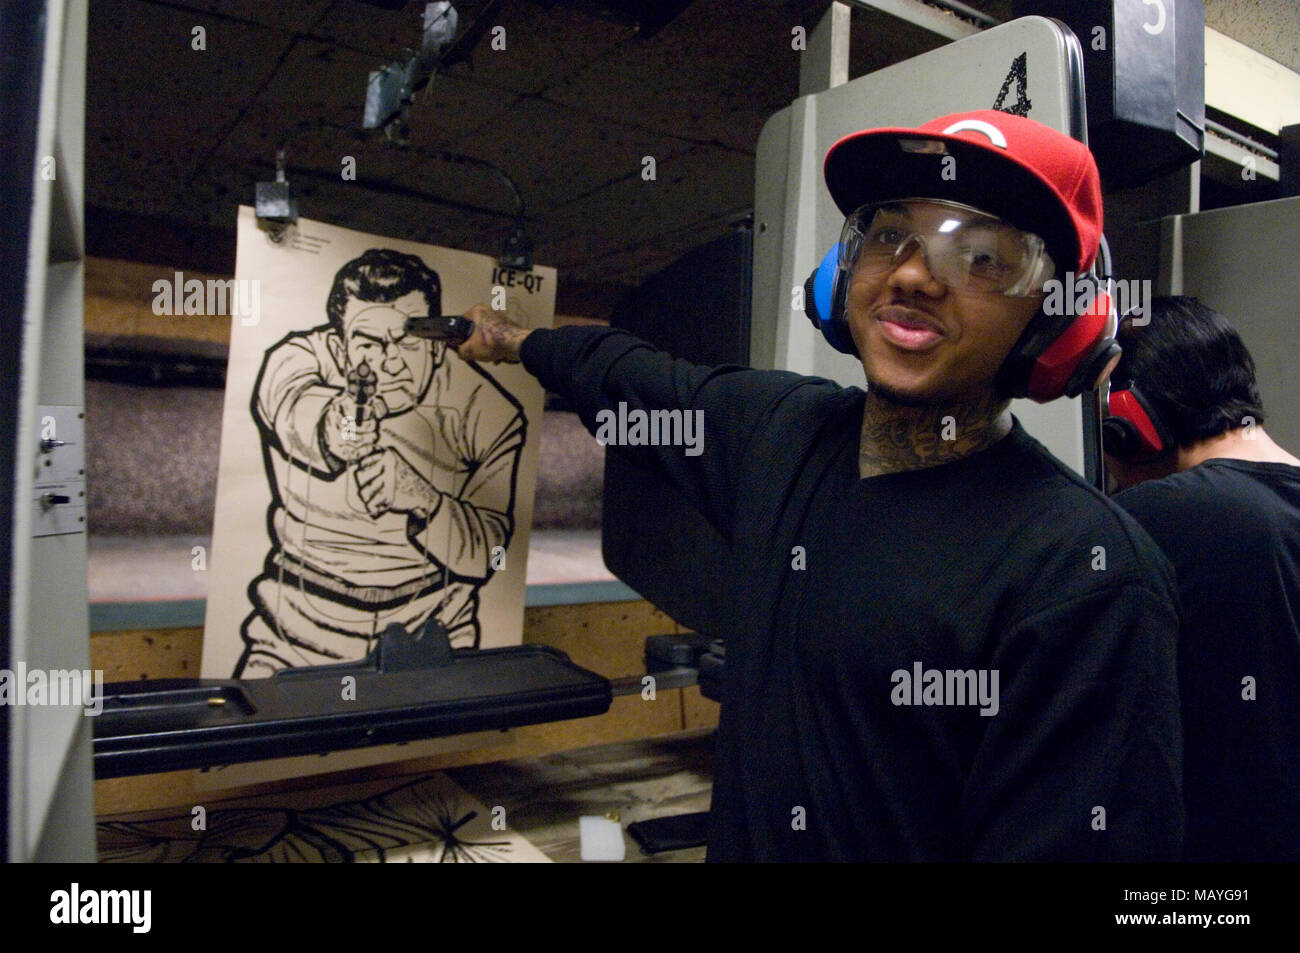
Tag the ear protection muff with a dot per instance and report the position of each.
(1065, 354)
(1060, 355)
(823, 301)
(1133, 429)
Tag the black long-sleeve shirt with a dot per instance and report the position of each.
(1003, 562)
(1231, 528)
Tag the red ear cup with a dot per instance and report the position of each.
(1063, 355)
(1077, 348)
(1133, 428)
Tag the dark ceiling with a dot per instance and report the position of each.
(177, 137)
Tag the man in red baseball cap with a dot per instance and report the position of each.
(1010, 204)
(945, 645)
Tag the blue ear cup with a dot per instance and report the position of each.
(823, 301)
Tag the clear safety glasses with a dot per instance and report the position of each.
(964, 248)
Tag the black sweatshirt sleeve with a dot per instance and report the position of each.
(1084, 759)
(599, 368)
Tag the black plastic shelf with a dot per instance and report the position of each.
(175, 724)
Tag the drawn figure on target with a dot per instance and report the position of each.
(392, 466)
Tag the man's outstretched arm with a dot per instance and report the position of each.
(618, 382)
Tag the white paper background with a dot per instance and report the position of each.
(295, 280)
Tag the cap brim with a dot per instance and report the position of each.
(878, 165)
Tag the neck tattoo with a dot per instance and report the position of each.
(897, 437)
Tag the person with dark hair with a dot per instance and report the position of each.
(1197, 377)
(942, 643)
(1222, 499)
(392, 477)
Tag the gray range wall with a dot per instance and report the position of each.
(152, 463)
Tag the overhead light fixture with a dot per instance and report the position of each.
(393, 86)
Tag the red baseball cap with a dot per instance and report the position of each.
(1036, 178)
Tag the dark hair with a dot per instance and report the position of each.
(382, 275)
(1192, 368)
